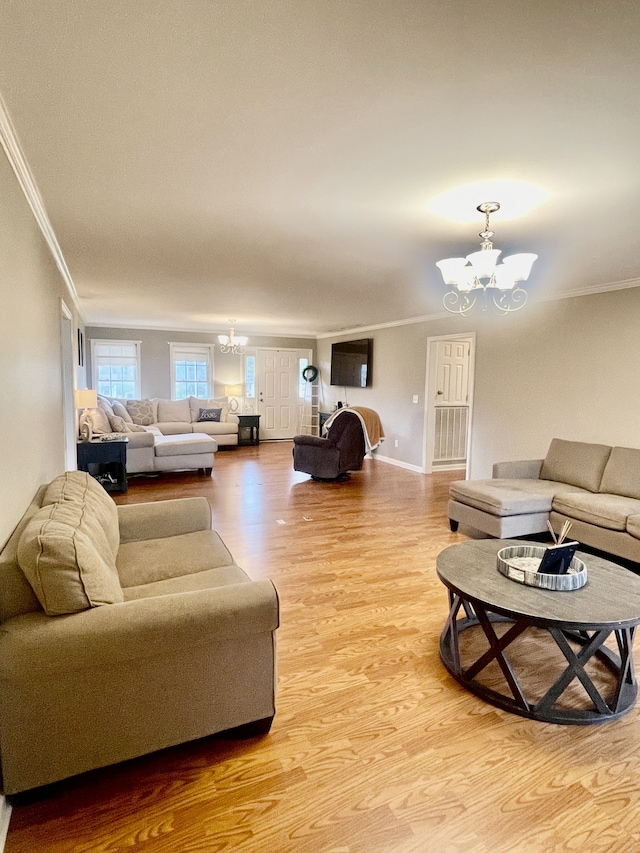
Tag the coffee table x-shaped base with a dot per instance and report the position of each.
(590, 643)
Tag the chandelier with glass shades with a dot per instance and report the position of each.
(232, 342)
(480, 279)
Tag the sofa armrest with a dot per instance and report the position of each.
(143, 628)
(140, 439)
(159, 519)
(233, 419)
(527, 469)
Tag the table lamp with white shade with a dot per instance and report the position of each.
(233, 392)
(85, 399)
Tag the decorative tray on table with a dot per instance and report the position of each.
(521, 563)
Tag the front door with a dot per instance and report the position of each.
(278, 383)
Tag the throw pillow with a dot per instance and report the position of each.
(65, 556)
(195, 404)
(142, 412)
(121, 411)
(80, 487)
(209, 415)
(99, 420)
(119, 424)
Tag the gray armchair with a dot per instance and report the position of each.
(332, 457)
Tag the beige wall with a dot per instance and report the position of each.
(568, 368)
(155, 367)
(31, 422)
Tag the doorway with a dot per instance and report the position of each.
(280, 391)
(449, 402)
(67, 368)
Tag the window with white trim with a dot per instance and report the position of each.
(115, 368)
(191, 371)
(250, 377)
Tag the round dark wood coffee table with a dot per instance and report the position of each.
(579, 622)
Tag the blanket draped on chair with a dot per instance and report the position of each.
(371, 426)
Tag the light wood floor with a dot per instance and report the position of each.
(374, 748)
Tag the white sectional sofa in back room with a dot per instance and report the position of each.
(167, 435)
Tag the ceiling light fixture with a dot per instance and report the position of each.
(480, 275)
(231, 342)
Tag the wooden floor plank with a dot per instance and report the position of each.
(374, 748)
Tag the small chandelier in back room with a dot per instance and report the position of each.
(479, 278)
(232, 342)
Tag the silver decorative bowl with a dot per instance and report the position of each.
(520, 563)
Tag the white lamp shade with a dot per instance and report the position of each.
(503, 278)
(85, 398)
(519, 266)
(233, 390)
(452, 270)
(484, 262)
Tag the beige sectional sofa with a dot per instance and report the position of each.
(594, 486)
(167, 435)
(124, 630)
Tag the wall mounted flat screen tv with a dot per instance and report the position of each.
(351, 363)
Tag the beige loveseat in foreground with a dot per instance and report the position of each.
(594, 486)
(124, 630)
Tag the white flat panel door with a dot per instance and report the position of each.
(278, 382)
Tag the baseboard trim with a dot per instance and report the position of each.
(399, 464)
(5, 817)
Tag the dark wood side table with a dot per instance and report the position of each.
(249, 429)
(575, 626)
(105, 461)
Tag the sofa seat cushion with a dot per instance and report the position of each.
(215, 428)
(150, 560)
(223, 576)
(507, 497)
(174, 428)
(610, 511)
(78, 486)
(622, 474)
(65, 555)
(184, 445)
(575, 463)
(633, 526)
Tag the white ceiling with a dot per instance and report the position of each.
(277, 162)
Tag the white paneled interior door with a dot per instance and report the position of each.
(278, 383)
(452, 373)
(449, 392)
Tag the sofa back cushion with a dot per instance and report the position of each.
(65, 556)
(174, 410)
(622, 473)
(79, 487)
(576, 463)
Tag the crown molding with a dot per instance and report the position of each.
(428, 318)
(18, 162)
(190, 331)
(592, 291)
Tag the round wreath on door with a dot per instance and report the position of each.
(310, 373)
